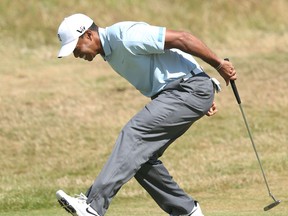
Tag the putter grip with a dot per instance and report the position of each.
(233, 85)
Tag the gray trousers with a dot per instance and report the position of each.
(145, 138)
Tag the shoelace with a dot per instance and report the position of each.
(81, 197)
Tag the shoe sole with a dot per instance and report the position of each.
(65, 204)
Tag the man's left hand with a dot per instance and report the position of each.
(213, 110)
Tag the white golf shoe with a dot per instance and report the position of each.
(196, 211)
(77, 206)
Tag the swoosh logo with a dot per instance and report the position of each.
(193, 212)
(88, 211)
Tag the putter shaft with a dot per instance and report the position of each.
(234, 88)
(255, 150)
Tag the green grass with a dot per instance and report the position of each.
(144, 206)
(56, 115)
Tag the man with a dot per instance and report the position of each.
(159, 63)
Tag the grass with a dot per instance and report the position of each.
(59, 118)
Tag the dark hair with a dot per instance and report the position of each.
(93, 27)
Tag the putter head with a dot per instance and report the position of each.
(272, 205)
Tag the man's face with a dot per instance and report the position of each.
(85, 47)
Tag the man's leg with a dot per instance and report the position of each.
(158, 124)
(155, 179)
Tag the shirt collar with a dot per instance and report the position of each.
(105, 43)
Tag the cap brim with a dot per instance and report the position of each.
(67, 49)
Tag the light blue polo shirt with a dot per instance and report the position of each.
(135, 50)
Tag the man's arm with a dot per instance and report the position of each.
(190, 44)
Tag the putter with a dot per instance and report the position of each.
(235, 91)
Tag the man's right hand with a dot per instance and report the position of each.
(227, 71)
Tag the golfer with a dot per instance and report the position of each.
(159, 63)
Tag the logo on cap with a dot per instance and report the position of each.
(81, 30)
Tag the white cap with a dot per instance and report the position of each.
(70, 30)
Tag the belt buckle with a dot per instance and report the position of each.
(187, 76)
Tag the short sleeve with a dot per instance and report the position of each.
(142, 38)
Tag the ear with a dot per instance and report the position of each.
(89, 34)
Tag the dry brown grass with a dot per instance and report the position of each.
(59, 118)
